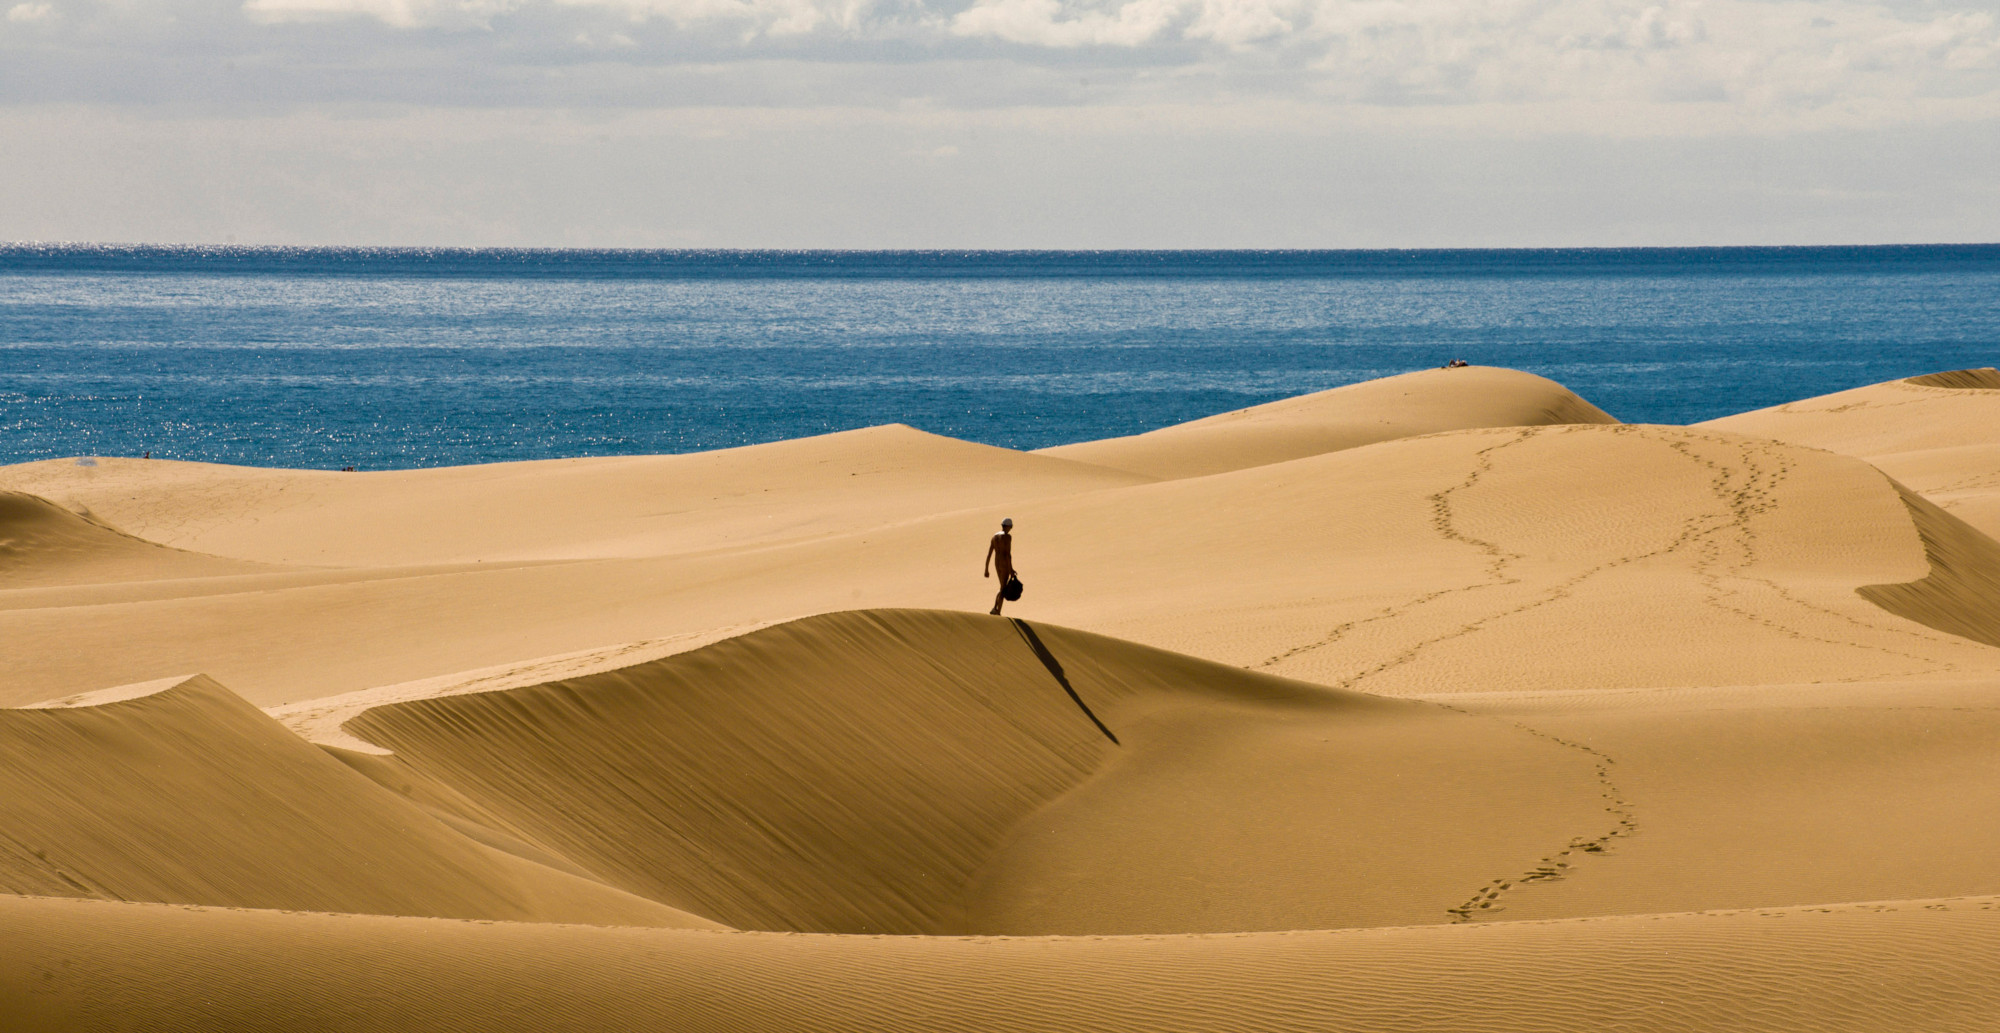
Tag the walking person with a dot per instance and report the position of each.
(1000, 558)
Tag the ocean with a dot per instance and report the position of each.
(384, 358)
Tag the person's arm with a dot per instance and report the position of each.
(986, 569)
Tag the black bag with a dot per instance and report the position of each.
(1012, 590)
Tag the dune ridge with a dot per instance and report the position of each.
(190, 795)
(563, 509)
(924, 772)
(648, 560)
(44, 545)
(715, 780)
(1423, 402)
(1939, 434)
(1333, 567)
(1961, 594)
(1984, 378)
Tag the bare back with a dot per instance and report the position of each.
(1003, 554)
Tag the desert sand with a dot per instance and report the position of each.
(1443, 701)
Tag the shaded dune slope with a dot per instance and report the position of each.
(1961, 594)
(190, 795)
(930, 772)
(1424, 402)
(44, 545)
(1984, 378)
(1906, 965)
(819, 775)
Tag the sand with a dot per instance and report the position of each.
(1441, 701)
(1424, 402)
(1891, 965)
(1934, 433)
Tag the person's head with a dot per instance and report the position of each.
(1007, 526)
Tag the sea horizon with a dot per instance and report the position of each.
(18, 257)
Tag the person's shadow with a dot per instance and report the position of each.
(1048, 660)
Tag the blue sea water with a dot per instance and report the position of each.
(389, 358)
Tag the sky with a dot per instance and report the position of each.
(1000, 123)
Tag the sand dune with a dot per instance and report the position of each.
(1344, 417)
(1892, 966)
(1627, 556)
(925, 772)
(1961, 594)
(190, 795)
(928, 772)
(561, 508)
(1438, 702)
(722, 558)
(1630, 556)
(1938, 434)
(1775, 795)
(44, 545)
(1984, 378)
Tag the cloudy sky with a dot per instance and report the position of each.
(1000, 123)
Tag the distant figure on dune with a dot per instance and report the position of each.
(1000, 558)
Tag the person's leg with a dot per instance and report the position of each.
(1000, 597)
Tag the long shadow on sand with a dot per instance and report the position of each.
(1049, 661)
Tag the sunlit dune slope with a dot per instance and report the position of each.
(1575, 557)
(1939, 434)
(1562, 558)
(190, 795)
(1773, 795)
(1345, 417)
(928, 772)
(560, 508)
(1904, 965)
(43, 545)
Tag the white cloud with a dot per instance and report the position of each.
(1400, 51)
(776, 17)
(1611, 64)
(1240, 22)
(1050, 23)
(402, 14)
(1070, 121)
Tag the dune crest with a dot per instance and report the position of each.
(190, 795)
(927, 772)
(44, 545)
(1961, 594)
(1984, 378)
(1938, 434)
(1424, 402)
(616, 506)
(1630, 555)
